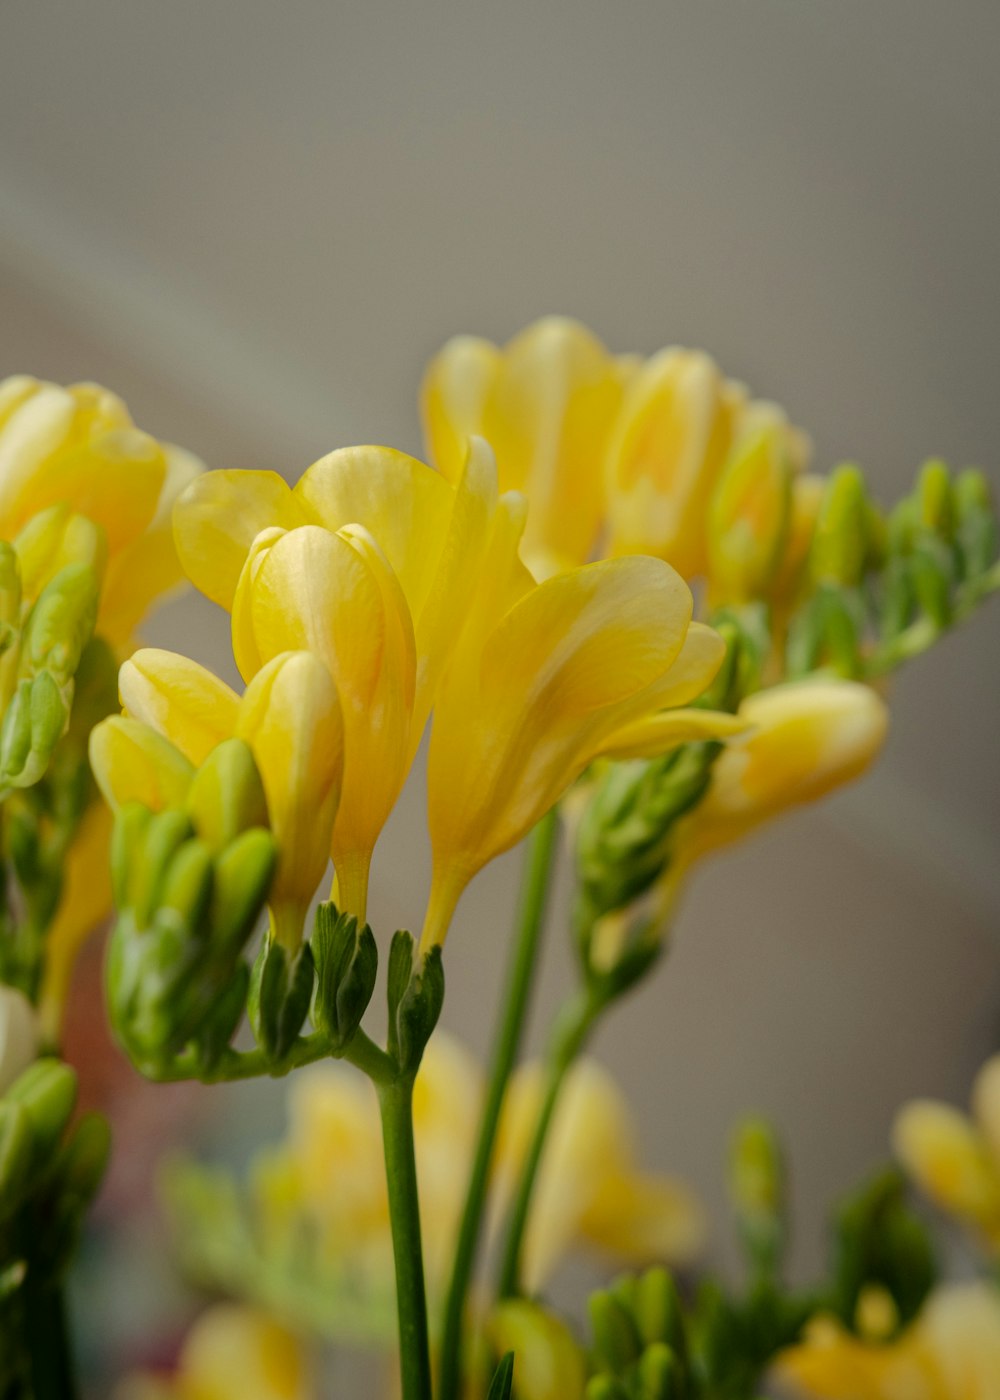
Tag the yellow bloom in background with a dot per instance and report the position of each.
(233, 1353)
(548, 1362)
(803, 740)
(546, 404)
(289, 715)
(547, 678)
(621, 456)
(589, 1189)
(75, 452)
(955, 1159)
(367, 562)
(951, 1352)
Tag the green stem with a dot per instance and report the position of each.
(46, 1336)
(396, 1104)
(569, 1037)
(534, 893)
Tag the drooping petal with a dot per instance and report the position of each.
(181, 700)
(950, 1161)
(217, 519)
(132, 763)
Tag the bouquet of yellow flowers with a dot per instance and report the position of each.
(637, 626)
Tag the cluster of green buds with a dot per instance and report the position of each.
(50, 578)
(50, 1169)
(190, 883)
(879, 590)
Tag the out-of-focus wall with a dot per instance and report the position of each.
(257, 220)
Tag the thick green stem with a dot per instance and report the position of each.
(531, 916)
(396, 1103)
(569, 1037)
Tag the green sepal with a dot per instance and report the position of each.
(346, 959)
(415, 996)
(280, 992)
(503, 1379)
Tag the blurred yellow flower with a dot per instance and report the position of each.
(548, 1362)
(546, 404)
(622, 456)
(232, 1353)
(956, 1159)
(590, 1191)
(289, 715)
(367, 562)
(73, 453)
(951, 1352)
(547, 678)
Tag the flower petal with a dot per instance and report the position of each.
(181, 700)
(453, 399)
(132, 763)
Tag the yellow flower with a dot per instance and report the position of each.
(76, 453)
(955, 1159)
(548, 1363)
(589, 1189)
(367, 563)
(951, 1352)
(233, 1353)
(615, 455)
(589, 1192)
(289, 715)
(804, 739)
(547, 678)
(546, 403)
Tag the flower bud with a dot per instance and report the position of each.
(840, 543)
(226, 794)
(18, 1035)
(749, 515)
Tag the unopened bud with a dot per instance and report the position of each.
(749, 516)
(841, 540)
(226, 795)
(934, 499)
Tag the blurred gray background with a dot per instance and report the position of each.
(256, 221)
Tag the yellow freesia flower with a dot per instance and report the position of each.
(548, 1362)
(546, 403)
(547, 678)
(951, 1352)
(74, 453)
(289, 715)
(956, 1159)
(233, 1353)
(803, 740)
(590, 1191)
(366, 562)
(615, 455)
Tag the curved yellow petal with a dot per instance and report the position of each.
(217, 519)
(181, 700)
(549, 1365)
(986, 1105)
(290, 716)
(645, 1219)
(806, 738)
(132, 763)
(657, 734)
(670, 440)
(950, 1161)
(548, 417)
(453, 399)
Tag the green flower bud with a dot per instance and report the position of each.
(658, 1312)
(605, 1388)
(187, 885)
(976, 530)
(227, 795)
(243, 874)
(165, 834)
(616, 1342)
(17, 1156)
(61, 623)
(749, 516)
(34, 722)
(935, 507)
(128, 841)
(660, 1374)
(840, 544)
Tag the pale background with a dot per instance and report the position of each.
(257, 220)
